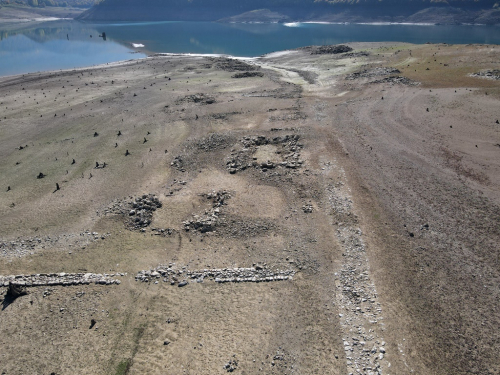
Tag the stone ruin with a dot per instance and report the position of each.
(287, 151)
(247, 75)
(488, 74)
(233, 65)
(142, 209)
(327, 50)
(178, 163)
(397, 80)
(199, 98)
(63, 279)
(181, 277)
(375, 72)
(208, 221)
(381, 72)
(138, 212)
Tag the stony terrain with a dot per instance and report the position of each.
(327, 210)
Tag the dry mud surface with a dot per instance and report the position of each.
(297, 213)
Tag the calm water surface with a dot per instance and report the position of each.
(68, 44)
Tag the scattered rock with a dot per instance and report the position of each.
(178, 163)
(307, 208)
(231, 365)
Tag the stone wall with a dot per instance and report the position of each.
(54, 279)
(218, 275)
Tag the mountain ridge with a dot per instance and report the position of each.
(449, 12)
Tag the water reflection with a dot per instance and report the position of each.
(58, 45)
(67, 44)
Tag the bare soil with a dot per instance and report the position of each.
(381, 194)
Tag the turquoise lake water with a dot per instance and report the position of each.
(68, 44)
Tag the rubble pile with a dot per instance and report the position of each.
(178, 163)
(208, 221)
(370, 73)
(199, 98)
(247, 75)
(288, 151)
(397, 80)
(489, 74)
(216, 141)
(233, 65)
(328, 50)
(64, 279)
(141, 214)
(219, 275)
(137, 212)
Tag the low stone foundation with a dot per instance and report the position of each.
(64, 279)
(218, 275)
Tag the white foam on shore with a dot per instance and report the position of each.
(292, 24)
(205, 55)
(138, 45)
(277, 54)
(371, 23)
(396, 23)
(37, 19)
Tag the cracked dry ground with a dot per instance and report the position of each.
(266, 216)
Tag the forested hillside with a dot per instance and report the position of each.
(211, 10)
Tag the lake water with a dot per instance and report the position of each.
(68, 44)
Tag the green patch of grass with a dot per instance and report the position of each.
(123, 367)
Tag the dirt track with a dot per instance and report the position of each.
(382, 198)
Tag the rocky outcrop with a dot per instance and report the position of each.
(451, 11)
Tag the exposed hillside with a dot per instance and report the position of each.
(259, 15)
(13, 13)
(315, 211)
(211, 10)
